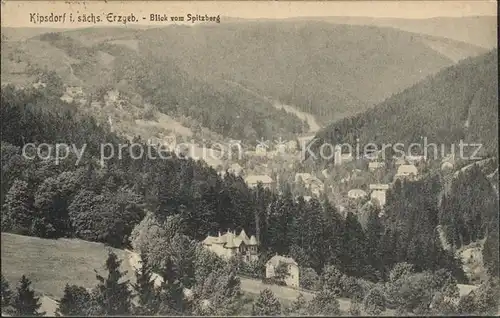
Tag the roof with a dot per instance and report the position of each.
(356, 193)
(209, 240)
(407, 169)
(379, 186)
(276, 259)
(265, 179)
(253, 240)
(400, 161)
(308, 179)
(230, 240)
(415, 158)
(235, 166)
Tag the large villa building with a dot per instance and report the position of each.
(230, 244)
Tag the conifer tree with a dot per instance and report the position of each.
(112, 296)
(144, 289)
(24, 302)
(299, 306)
(75, 301)
(324, 303)
(266, 304)
(6, 293)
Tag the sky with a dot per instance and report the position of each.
(17, 13)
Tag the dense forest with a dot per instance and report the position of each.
(162, 83)
(42, 198)
(456, 104)
(328, 70)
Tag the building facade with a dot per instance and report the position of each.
(230, 245)
(292, 279)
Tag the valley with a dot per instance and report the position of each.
(246, 216)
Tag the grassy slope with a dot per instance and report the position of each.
(50, 264)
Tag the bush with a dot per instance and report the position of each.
(309, 279)
(374, 302)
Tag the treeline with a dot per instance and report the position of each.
(458, 103)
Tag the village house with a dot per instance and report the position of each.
(400, 161)
(74, 91)
(375, 165)
(230, 245)
(113, 95)
(356, 194)
(448, 162)
(341, 158)
(409, 172)
(311, 182)
(378, 193)
(253, 180)
(291, 146)
(374, 155)
(292, 279)
(281, 148)
(415, 159)
(170, 141)
(307, 198)
(39, 84)
(261, 149)
(235, 169)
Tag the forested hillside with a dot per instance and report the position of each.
(458, 103)
(328, 70)
(341, 70)
(145, 79)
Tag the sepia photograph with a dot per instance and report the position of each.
(249, 158)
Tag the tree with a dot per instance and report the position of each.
(112, 296)
(400, 270)
(374, 302)
(75, 301)
(24, 302)
(18, 208)
(331, 279)
(324, 303)
(6, 293)
(482, 301)
(144, 289)
(298, 306)
(171, 293)
(266, 304)
(354, 309)
(219, 294)
(354, 253)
